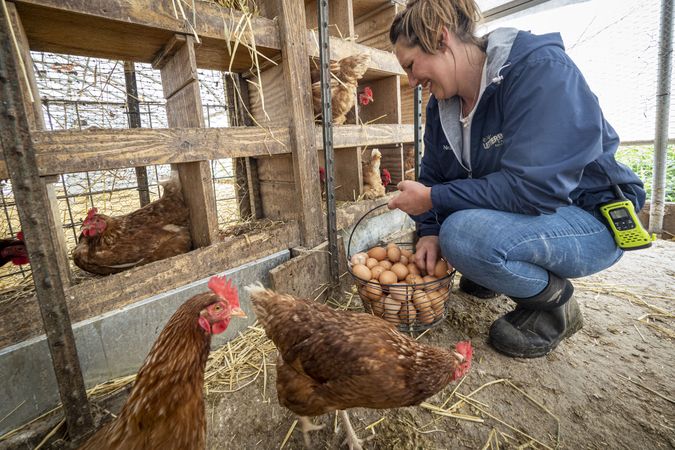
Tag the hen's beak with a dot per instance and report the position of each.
(238, 312)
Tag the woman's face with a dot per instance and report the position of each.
(436, 71)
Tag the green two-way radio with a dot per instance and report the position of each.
(629, 233)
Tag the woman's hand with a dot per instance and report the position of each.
(414, 198)
(427, 252)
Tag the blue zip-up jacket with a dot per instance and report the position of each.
(539, 140)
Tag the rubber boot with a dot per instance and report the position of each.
(538, 323)
(475, 289)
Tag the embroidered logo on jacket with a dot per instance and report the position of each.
(495, 140)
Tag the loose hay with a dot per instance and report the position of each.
(482, 408)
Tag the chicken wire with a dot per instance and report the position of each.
(85, 93)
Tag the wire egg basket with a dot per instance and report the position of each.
(389, 287)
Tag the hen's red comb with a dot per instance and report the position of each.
(224, 289)
(465, 349)
(19, 235)
(92, 212)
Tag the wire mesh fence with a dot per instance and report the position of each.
(79, 93)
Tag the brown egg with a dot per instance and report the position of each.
(403, 260)
(379, 253)
(407, 253)
(441, 269)
(391, 309)
(393, 254)
(414, 279)
(429, 283)
(408, 313)
(412, 268)
(377, 271)
(359, 258)
(401, 292)
(371, 262)
(391, 244)
(437, 300)
(425, 314)
(400, 270)
(372, 290)
(361, 272)
(377, 307)
(388, 277)
(386, 264)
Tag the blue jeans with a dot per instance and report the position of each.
(513, 253)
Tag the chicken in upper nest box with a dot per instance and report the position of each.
(345, 90)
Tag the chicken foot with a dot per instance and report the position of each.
(352, 439)
(306, 426)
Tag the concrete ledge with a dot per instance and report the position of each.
(110, 345)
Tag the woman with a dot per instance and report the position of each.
(518, 157)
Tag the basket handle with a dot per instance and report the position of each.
(351, 235)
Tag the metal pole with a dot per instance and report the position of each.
(327, 115)
(134, 112)
(31, 195)
(419, 132)
(658, 203)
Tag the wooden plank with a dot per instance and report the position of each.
(270, 107)
(79, 151)
(373, 29)
(279, 200)
(367, 135)
(254, 188)
(32, 199)
(408, 102)
(340, 18)
(382, 63)
(36, 122)
(184, 109)
(392, 160)
(386, 107)
(307, 274)
(276, 168)
(135, 30)
(301, 120)
(365, 7)
(348, 175)
(101, 295)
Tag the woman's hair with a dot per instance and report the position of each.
(422, 21)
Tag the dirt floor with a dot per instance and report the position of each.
(611, 385)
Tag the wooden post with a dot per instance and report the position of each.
(178, 67)
(295, 64)
(36, 122)
(32, 198)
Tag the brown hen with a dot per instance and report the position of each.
(156, 231)
(345, 74)
(372, 178)
(165, 409)
(333, 360)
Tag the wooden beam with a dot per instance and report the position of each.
(184, 109)
(33, 200)
(367, 135)
(100, 295)
(340, 17)
(36, 122)
(301, 120)
(382, 63)
(79, 151)
(134, 30)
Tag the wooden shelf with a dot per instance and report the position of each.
(136, 30)
(367, 135)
